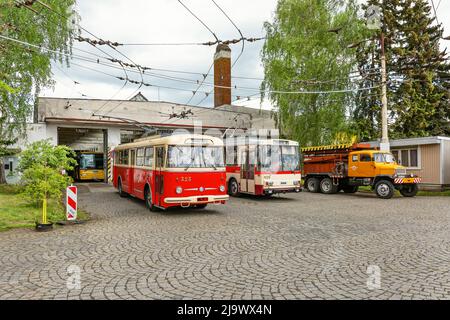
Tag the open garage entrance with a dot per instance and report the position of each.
(91, 147)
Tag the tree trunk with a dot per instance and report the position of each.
(2, 172)
(36, 105)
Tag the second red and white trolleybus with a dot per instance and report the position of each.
(262, 166)
(179, 170)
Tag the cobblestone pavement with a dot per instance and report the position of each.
(297, 246)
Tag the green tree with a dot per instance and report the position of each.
(418, 74)
(420, 64)
(301, 53)
(23, 70)
(42, 166)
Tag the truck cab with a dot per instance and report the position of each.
(372, 163)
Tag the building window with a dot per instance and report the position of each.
(407, 157)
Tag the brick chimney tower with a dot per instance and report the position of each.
(222, 75)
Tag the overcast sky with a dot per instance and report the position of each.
(167, 21)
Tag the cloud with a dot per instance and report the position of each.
(167, 21)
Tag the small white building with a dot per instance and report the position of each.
(427, 157)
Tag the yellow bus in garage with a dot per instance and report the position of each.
(90, 166)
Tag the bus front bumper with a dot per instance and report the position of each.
(186, 201)
(281, 189)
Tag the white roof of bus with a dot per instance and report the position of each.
(177, 139)
(245, 140)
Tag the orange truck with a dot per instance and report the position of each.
(330, 169)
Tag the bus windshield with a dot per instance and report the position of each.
(91, 161)
(384, 157)
(275, 158)
(195, 157)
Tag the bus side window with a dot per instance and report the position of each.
(124, 157)
(160, 157)
(231, 155)
(140, 157)
(148, 159)
(133, 157)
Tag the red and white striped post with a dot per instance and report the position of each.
(71, 201)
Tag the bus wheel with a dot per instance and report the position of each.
(409, 190)
(327, 186)
(233, 188)
(384, 189)
(312, 184)
(201, 206)
(148, 200)
(350, 189)
(119, 187)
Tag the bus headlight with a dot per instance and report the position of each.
(179, 190)
(296, 183)
(222, 188)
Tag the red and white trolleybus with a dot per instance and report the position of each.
(263, 166)
(179, 170)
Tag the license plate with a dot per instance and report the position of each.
(408, 180)
(283, 182)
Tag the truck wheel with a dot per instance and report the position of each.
(327, 186)
(409, 190)
(350, 189)
(233, 188)
(312, 184)
(384, 189)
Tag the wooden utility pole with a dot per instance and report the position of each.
(384, 145)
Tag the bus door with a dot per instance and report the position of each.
(159, 178)
(248, 164)
(131, 171)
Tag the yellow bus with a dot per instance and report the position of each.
(90, 166)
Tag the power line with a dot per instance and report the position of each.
(204, 24)
(201, 83)
(242, 36)
(64, 19)
(126, 79)
(435, 13)
(99, 40)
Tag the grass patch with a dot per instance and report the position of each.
(17, 212)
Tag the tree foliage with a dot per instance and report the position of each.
(23, 70)
(301, 53)
(42, 166)
(418, 74)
